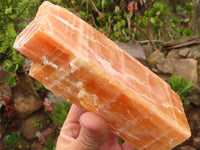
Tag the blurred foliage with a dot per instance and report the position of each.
(127, 21)
(49, 146)
(14, 16)
(12, 141)
(38, 124)
(162, 25)
(38, 85)
(182, 87)
(59, 113)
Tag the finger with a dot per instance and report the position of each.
(93, 132)
(111, 143)
(70, 129)
(74, 114)
(71, 126)
(127, 146)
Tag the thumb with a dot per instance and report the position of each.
(93, 132)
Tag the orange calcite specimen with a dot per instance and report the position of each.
(77, 62)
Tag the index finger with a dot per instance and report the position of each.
(74, 114)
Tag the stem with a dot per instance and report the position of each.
(94, 6)
(129, 24)
(147, 41)
(87, 9)
(109, 25)
(93, 21)
(150, 37)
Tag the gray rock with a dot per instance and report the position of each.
(148, 49)
(155, 58)
(165, 77)
(193, 117)
(173, 54)
(186, 68)
(187, 147)
(194, 52)
(37, 145)
(194, 97)
(5, 91)
(28, 129)
(24, 143)
(184, 52)
(135, 50)
(166, 66)
(196, 142)
(26, 105)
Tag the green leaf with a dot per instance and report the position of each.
(189, 6)
(82, 14)
(13, 16)
(103, 4)
(8, 10)
(120, 141)
(18, 59)
(126, 38)
(122, 23)
(16, 68)
(8, 66)
(182, 87)
(187, 88)
(12, 139)
(50, 144)
(153, 20)
(59, 113)
(82, 2)
(10, 80)
(38, 85)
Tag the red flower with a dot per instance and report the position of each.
(141, 2)
(135, 6)
(10, 113)
(47, 105)
(11, 107)
(6, 100)
(101, 15)
(130, 7)
(7, 108)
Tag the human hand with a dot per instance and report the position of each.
(87, 131)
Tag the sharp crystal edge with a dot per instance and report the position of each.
(77, 62)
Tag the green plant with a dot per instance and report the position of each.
(189, 6)
(182, 87)
(38, 86)
(13, 14)
(38, 124)
(120, 141)
(49, 146)
(12, 141)
(161, 24)
(59, 112)
(12, 67)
